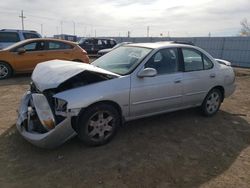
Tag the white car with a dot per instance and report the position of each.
(130, 82)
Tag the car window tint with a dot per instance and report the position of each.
(112, 42)
(9, 37)
(207, 63)
(30, 47)
(105, 42)
(99, 42)
(88, 42)
(30, 35)
(192, 60)
(164, 61)
(59, 46)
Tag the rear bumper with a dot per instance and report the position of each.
(229, 89)
(53, 138)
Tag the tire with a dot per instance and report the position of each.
(5, 70)
(98, 124)
(212, 102)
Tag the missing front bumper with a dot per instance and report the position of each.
(54, 137)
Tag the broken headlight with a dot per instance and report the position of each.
(60, 106)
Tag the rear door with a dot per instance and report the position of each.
(58, 50)
(161, 93)
(33, 55)
(88, 45)
(198, 77)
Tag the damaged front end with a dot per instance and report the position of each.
(39, 125)
(45, 120)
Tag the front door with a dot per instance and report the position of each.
(34, 54)
(162, 93)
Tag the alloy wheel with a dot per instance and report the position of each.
(3, 71)
(100, 125)
(213, 102)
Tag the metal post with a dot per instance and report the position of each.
(74, 24)
(22, 19)
(42, 29)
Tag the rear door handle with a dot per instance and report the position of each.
(177, 81)
(213, 75)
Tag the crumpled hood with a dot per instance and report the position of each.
(51, 74)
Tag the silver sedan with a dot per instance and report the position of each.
(134, 81)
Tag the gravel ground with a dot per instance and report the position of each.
(180, 149)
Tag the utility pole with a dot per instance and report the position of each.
(148, 31)
(74, 24)
(95, 33)
(22, 18)
(61, 27)
(42, 29)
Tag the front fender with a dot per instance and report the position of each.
(116, 90)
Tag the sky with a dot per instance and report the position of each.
(174, 18)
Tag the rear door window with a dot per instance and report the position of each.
(52, 45)
(192, 60)
(9, 37)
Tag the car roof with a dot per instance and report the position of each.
(48, 39)
(16, 30)
(156, 45)
(39, 39)
(98, 38)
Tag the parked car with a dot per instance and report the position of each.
(11, 36)
(25, 55)
(130, 82)
(93, 45)
(104, 51)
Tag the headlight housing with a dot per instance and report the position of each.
(44, 111)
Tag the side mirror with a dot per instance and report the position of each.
(21, 50)
(147, 72)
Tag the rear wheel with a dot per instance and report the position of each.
(212, 102)
(98, 124)
(5, 70)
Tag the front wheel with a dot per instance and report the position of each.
(212, 102)
(98, 124)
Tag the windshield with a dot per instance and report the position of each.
(123, 59)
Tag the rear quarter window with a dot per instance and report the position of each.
(9, 37)
(30, 35)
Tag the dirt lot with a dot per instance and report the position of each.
(181, 149)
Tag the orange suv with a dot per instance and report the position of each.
(25, 55)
